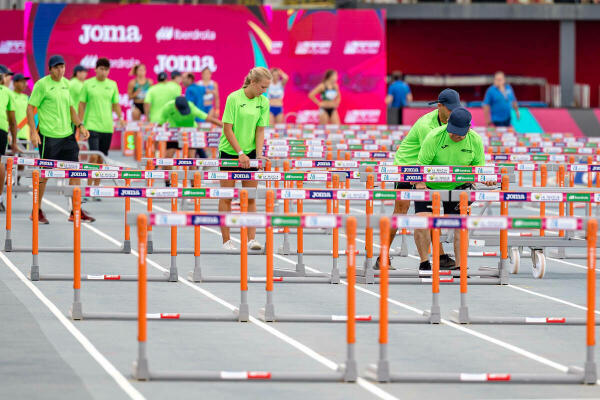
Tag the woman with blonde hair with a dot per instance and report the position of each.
(275, 95)
(330, 98)
(244, 120)
(137, 90)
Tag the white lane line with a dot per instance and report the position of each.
(498, 342)
(80, 337)
(368, 386)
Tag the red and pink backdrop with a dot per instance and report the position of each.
(229, 40)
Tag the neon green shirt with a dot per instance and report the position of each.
(159, 95)
(408, 152)
(245, 115)
(99, 97)
(171, 115)
(7, 103)
(54, 103)
(21, 100)
(75, 86)
(176, 87)
(439, 149)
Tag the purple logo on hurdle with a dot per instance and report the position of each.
(77, 174)
(595, 168)
(321, 194)
(241, 175)
(447, 222)
(45, 163)
(206, 220)
(413, 178)
(379, 154)
(410, 170)
(500, 157)
(515, 196)
(536, 150)
(130, 193)
(185, 162)
(324, 164)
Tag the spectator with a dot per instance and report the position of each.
(137, 89)
(399, 95)
(497, 102)
(330, 98)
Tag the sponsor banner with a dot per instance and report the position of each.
(292, 194)
(217, 175)
(353, 194)
(485, 196)
(293, 176)
(267, 176)
(487, 178)
(207, 163)
(285, 221)
(77, 174)
(414, 195)
(303, 164)
(412, 222)
(53, 174)
(91, 166)
(554, 197)
(130, 192)
(464, 177)
(165, 161)
(583, 197)
(214, 220)
(241, 176)
(561, 223)
(317, 176)
(396, 177)
(527, 167)
(156, 174)
(438, 170)
(321, 221)
(99, 192)
(526, 223)
(162, 192)
(185, 162)
(68, 165)
(25, 161)
(485, 170)
(169, 219)
(248, 220)
(447, 222)
(394, 169)
(439, 178)
(46, 163)
(578, 167)
(222, 193)
(368, 116)
(384, 195)
(514, 196)
(104, 174)
(131, 174)
(346, 164)
(194, 192)
(321, 194)
(493, 223)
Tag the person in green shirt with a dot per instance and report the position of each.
(175, 82)
(408, 152)
(181, 113)
(244, 120)
(7, 122)
(21, 100)
(158, 95)
(76, 82)
(453, 144)
(56, 112)
(98, 99)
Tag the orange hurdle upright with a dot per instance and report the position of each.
(76, 309)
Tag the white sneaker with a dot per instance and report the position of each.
(229, 245)
(255, 245)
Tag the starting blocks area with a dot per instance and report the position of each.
(195, 330)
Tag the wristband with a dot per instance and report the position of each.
(240, 152)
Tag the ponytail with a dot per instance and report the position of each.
(256, 74)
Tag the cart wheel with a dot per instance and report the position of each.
(539, 264)
(514, 260)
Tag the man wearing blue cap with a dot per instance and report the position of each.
(182, 113)
(76, 82)
(7, 122)
(408, 151)
(55, 109)
(453, 144)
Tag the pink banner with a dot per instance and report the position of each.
(229, 40)
(12, 45)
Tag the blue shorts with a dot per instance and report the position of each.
(276, 110)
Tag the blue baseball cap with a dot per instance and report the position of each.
(4, 69)
(459, 122)
(175, 74)
(20, 77)
(55, 60)
(78, 68)
(182, 105)
(449, 98)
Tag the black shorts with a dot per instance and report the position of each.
(140, 106)
(64, 149)
(99, 141)
(450, 207)
(3, 142)
(251, 155)
(173, 144)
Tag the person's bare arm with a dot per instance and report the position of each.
(313, 94)
(130, 92)
(409, 98)
(81, 112)
(516, 107)
(12, 127)
(117, 109)
(77, 121)
(214, 120)
(338, 99)
(33, 133)
(147, 110)
(217, 106)
(486, 115)
(388, 99)
(284, 77)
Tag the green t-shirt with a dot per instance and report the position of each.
(176, 87)
(75, 86)
(170, 114)
(21, 100)
(7, 103)
(159, 95)
(245, 115)
(54, 103)
(99, 97)
(439, 149)
(408, 152)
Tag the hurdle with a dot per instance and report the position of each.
(346, 372)
(380, 372)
